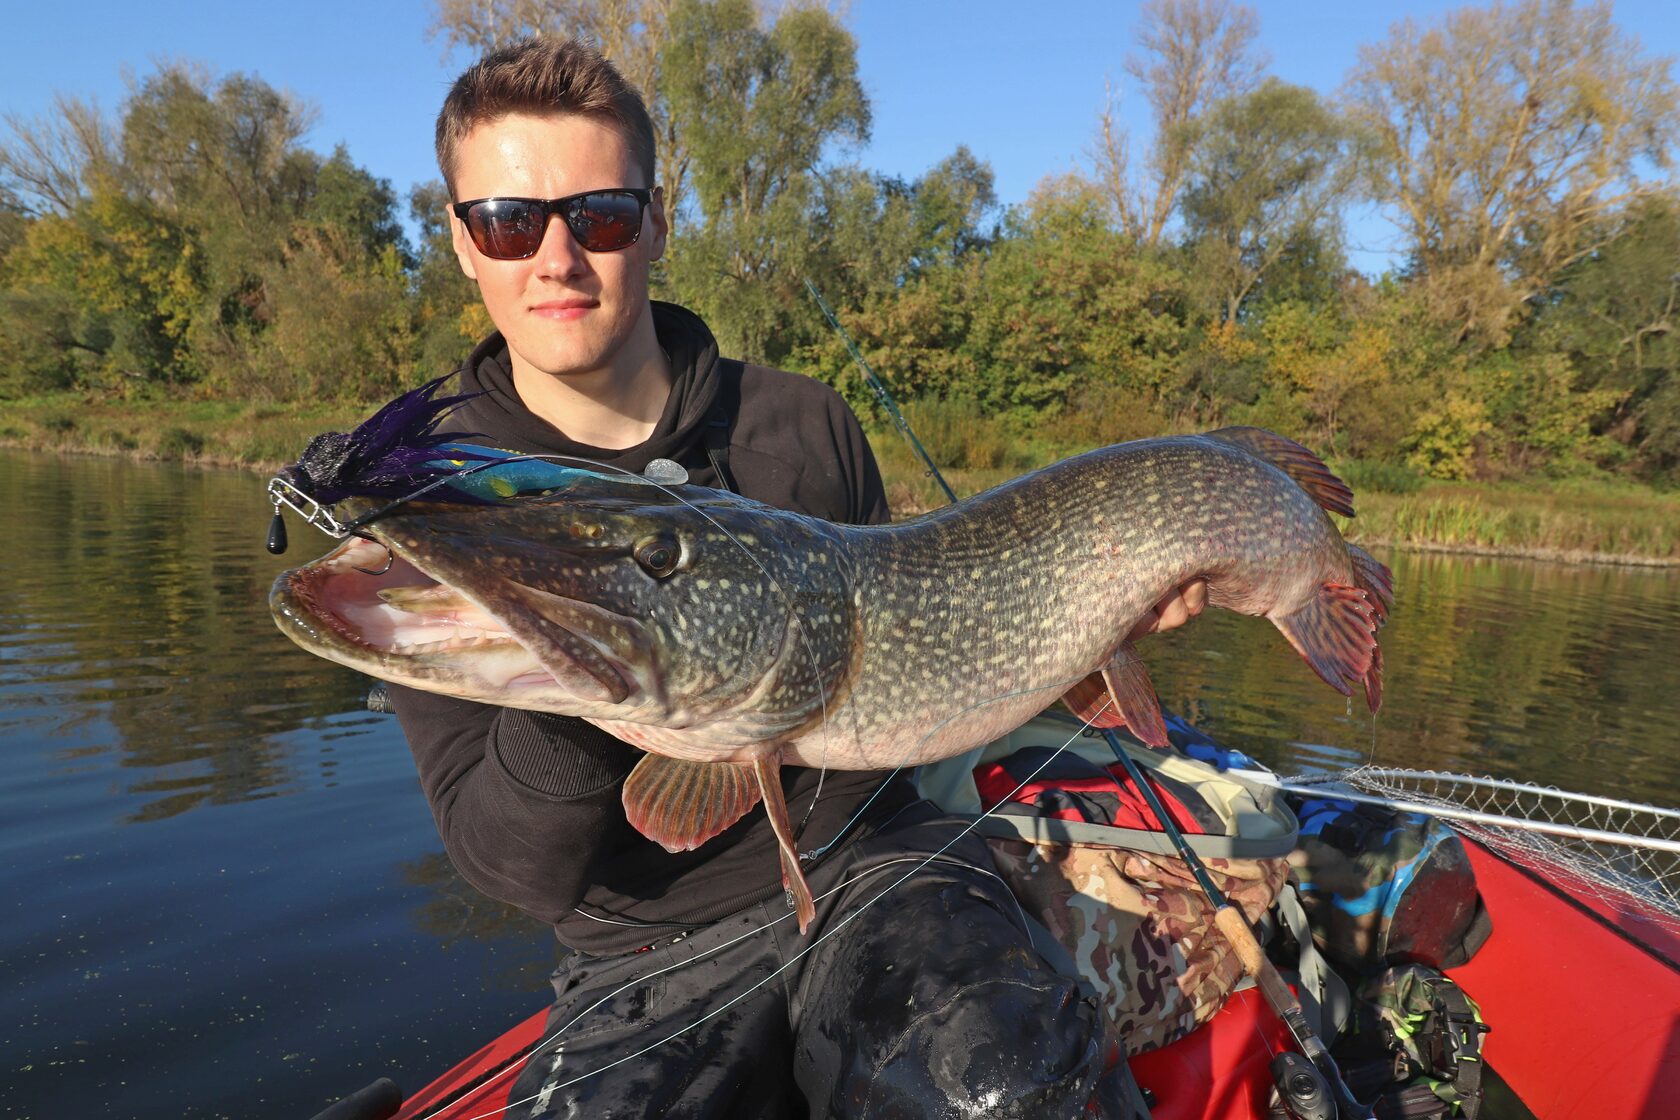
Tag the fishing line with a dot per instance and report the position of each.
(1059, 686)
(840, 924)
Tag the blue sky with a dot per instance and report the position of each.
(1020, 83)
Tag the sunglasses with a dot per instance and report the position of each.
(511, 229)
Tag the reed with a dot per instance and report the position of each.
(1535, 517)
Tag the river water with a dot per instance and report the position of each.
(222, 893)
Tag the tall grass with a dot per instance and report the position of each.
(1565, 519)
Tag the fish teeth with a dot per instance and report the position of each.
(416, 598)
(459, 641)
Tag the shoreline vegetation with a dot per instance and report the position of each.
(183, 277)
(1571, 520)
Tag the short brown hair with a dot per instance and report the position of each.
(543, 76)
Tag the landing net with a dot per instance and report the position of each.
(1616, 851)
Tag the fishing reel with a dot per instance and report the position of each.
(1302, 1092)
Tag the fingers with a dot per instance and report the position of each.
(1176, 607)
(1144, 625)
(1195, 596)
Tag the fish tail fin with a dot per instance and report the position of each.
(1336, 632)
(1372, 575)
(769, 771)
(1300, 464)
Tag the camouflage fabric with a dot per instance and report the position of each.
(1139, 929)
(1382, 886)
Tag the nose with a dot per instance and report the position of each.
(560, 255)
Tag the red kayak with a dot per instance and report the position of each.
(1583, 998)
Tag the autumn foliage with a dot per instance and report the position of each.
(191, 246)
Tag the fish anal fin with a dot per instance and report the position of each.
(1089, 700)
(769, 772)
(1336, 632)
(1299, 463)
(1134, 694)
(681, 805)
(1120, 694)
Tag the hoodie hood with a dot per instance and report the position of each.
(696, 381)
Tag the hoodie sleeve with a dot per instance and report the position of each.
(868, 492)
(522, 799)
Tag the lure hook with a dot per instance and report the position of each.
(390, 558)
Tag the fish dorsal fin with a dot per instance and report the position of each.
(1125, 681)
(681, 805)
(1300, 464)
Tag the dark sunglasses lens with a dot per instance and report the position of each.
(606, 221)
(506, 229)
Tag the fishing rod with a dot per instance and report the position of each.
(881, 394)
(1313, 1089)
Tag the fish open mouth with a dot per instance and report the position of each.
(374, 600)
(369, 606)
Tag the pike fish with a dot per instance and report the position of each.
(726, 638)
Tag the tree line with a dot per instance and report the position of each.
(191, 244)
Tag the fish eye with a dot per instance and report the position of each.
(658, 556)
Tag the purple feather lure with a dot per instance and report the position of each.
(390, 454)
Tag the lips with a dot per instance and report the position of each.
(564, 310)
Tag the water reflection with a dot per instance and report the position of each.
(224, 895)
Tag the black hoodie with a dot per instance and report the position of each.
(529, 804)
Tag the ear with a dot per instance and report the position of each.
(660, 223)
(463, 246)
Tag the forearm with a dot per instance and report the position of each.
(522, 800)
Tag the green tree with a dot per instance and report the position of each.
(166, 246)
(1613, 314)
(1065, 302)
(1193, 54)
(759, 106)
(1266, 171)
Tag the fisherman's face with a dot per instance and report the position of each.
(565, 311)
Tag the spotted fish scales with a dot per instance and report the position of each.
(727, 638)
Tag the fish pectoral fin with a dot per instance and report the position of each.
(1120, 694)
(681, 805)
(1336, 632)
(769, 771)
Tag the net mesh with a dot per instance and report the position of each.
(1623, 853)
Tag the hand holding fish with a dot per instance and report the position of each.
(1177, 607)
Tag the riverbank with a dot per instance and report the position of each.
(1571, 521)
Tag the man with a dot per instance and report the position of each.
(690, 992)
